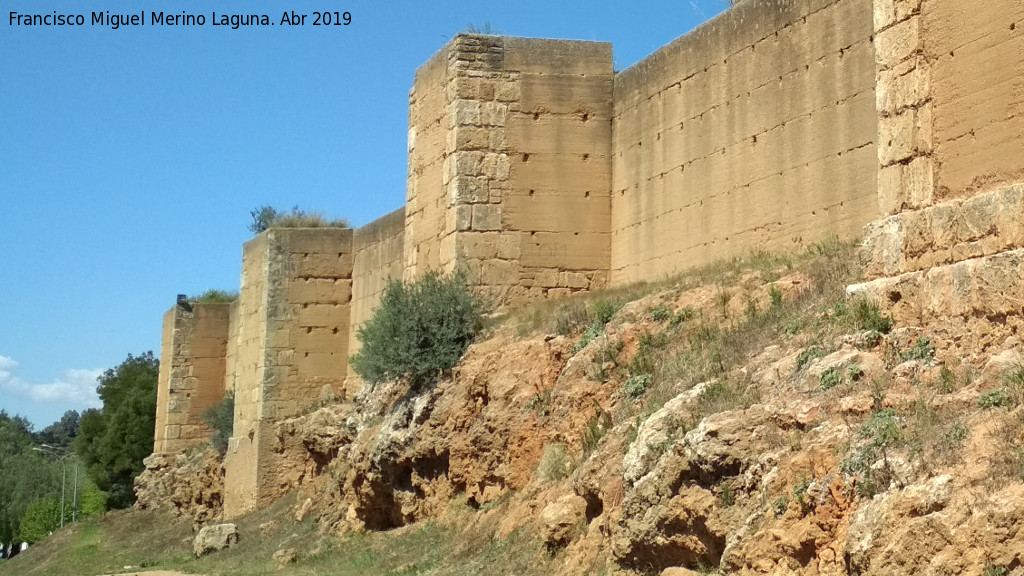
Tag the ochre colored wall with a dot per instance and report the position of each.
(756, 130)
(378, 250)
(426, 214)
(948, 252)
(191, 375)
(164, 383)
(558, 139)
(976, 50)
(538, 171)
(250, 360)
(293, 332)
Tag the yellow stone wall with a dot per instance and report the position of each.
(378, 250)
(191, 378)
(293, 330)
(756, 130)
(538, 171)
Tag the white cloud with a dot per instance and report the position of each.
(75, 388)
(6, 365)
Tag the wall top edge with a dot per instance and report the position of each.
(528, 39)
(727, 32)
(395, 218)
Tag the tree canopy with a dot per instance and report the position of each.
(114, 440)
(26, 475)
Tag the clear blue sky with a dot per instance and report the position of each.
(130, 158)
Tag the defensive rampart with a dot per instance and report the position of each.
(293, 330)
(191, 379)
(755, 130)
(950, 252)
(538, 172)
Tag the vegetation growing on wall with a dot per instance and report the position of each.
(221, 419)
(214, 296)
(420, 330)
(265, 217)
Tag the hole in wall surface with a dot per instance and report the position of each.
(526, 158)
(895, 296)
(532, 192)
(536, 115)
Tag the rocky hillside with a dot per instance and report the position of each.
(747, 418)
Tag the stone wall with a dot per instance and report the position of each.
(378, 249)
(756, 130)
(950, 95)
(293, 330)
(193, 355)
(539, 172)
(509, 165)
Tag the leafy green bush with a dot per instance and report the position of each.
(635, 386)
(604, 310)
(41, 518)
(805, 357)
(994, 399)
(882, 433)
(867, 316)
(921, 350)
(660, 313)
(420, 330)
(221, 419)
(830, 378)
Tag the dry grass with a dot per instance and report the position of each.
(153, 540)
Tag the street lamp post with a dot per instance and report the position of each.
(62, 454)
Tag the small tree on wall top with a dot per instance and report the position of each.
(419, 331)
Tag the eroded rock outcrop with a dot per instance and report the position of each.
(191, 484)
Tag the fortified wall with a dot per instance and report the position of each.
(539, 172)
(949, 249)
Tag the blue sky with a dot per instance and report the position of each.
(130, 158)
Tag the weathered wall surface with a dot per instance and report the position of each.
(538, 171)
(293, 333)
(950, 99)
(950, 93)
(250, 360)
(426, 209)
(976, 50)
(191, 377)
(556, 212)
(510, 170)
(378, 250)
(756, 130)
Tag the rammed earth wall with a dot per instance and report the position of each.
(948, 251)
(538, 171)
(756, 130)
